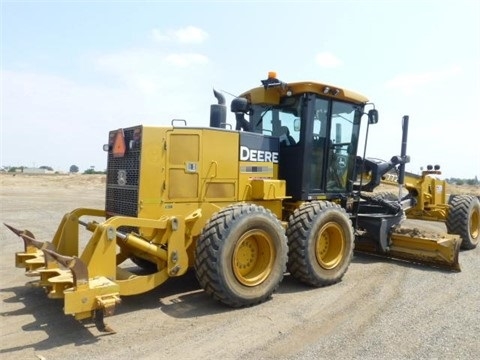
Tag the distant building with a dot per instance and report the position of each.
(36, 171)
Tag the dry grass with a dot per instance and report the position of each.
(91, 181)
(451, 189)
(60, 180)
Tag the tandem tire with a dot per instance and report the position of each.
(321, 243)
(241, 255)
(464, 219)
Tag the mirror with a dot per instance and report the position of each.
(373, 116)
(239, 105)
(296, 124)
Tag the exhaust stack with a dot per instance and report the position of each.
(218, 112)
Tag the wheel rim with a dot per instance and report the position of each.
(253, 257)
(329, 245)
(474, 223)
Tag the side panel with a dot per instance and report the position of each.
(219, 176)
(152, 175)
(202, 165)
(183, 165)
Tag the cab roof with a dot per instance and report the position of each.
(273, 94)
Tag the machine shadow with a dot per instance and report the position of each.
(48, 317)
(179, 297)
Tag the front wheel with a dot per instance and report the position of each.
(241, 255)
(464, 219)
(320, 242)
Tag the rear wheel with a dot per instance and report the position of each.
(320, 241)
(464, 219)
(241, 255)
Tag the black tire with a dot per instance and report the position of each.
(321, 243)
(241, 255)
(464, 219)
(386, 195)
(383, 195)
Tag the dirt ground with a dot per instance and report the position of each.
(383, 309)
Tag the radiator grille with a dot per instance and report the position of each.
(123, 175)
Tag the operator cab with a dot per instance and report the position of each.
(318, 128)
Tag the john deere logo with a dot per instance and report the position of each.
(247, 154)
(122, 177)
(258, 148)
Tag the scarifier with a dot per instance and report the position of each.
(285, 190)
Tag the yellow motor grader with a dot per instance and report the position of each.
(460, 213)
(282, 192)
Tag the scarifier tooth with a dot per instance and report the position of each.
(29, 239)
(100, 323)
(62, 259)
(15, 231)
(76, 265)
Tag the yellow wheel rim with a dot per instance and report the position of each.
(329, 245)
(253, 257)
(474, 224)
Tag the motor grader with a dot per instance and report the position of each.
(283, 191)
(461, 213)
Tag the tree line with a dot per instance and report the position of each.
(74, 169)
(459, 181)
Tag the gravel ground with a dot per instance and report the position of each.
(382, 309)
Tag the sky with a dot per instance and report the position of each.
(71, 71)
